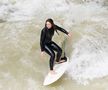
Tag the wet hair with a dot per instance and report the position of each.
(50, 21)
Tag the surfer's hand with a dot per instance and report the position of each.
(42, 53)
(69, 34)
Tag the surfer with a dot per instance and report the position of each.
(49, 46)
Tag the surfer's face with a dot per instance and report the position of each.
(48, 25)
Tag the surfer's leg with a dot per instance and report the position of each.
(49, 51)
(57, 49)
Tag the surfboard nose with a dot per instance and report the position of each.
(60, 69)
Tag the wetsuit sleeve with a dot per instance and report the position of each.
(61, 29)
(42, 38)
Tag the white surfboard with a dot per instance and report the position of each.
(59, 69)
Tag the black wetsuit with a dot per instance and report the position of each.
(49, 46)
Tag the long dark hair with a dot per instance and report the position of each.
(52, 23)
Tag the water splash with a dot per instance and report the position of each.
(89, 57)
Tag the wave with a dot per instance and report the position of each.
(89, 58)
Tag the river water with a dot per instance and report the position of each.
(22, 67)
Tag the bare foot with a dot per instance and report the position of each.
(52, 72)
(61, 61)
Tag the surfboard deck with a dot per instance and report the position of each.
(59, 69)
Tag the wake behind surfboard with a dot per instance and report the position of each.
(59, 69)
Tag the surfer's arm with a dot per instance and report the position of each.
(61, 29)
(42, 38)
